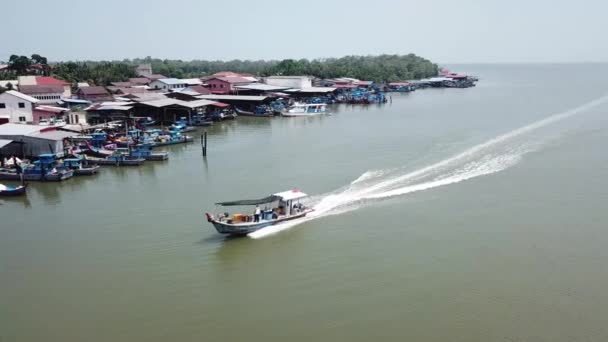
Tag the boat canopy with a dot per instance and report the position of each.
(284, 196)
(268, 199)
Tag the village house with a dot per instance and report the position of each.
(46, 81)
(168, 84)
(225, 85)
(47, 113)
(16, 107)
(46, 94)
(93, 94)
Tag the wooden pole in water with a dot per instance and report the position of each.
(204, 143)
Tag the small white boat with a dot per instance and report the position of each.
(306, 109)
(280, 207)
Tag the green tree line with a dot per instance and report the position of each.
(382, 68)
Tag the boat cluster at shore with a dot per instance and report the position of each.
(126, 131)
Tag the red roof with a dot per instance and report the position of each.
(231, 79)
(47, 80)
(41, 89)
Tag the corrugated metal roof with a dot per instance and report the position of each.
(93, 90)
(261, 86)
(192, 81)
(161, 103)
(41, 89)
(171, 81)
(232, 79)
(312, 90)
(288, 77)
(232, 97)
(196, 104)
(4, 142)
(52, 135)
(20, 129)
(21, 96)
(114, 108)
(75, 101)
(51, 109)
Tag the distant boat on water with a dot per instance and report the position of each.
(306, 109)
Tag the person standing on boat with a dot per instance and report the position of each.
(256, 214)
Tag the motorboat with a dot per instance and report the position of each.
(277, 208)
(9, 190)
(306, 109)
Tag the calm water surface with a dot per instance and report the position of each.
(432, 225)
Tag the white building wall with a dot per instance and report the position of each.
(11, 105)
(298, 82)
(49, 99)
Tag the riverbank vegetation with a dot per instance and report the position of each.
(382, 68)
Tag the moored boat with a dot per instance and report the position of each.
(306, 109)
(278, 208)
(145, 151)
(121, 157)
(43, 169)
(76, 164)
(10, 190)
(259, 111)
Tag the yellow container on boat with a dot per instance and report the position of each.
(238, 218)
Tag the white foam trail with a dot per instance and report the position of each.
(473, 162)
(370, 175)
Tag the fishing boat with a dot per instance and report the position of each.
(280, 207)
(145, 151)
(306, 109)
(171, 138)
(201, 120)
(76, 164)
(181, 126)
(43, 169)
(9, 190)
(259, 111)
(121, 157)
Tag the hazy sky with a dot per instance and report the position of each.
(445, 31)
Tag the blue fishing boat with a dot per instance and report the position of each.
(145, 151)
(43, 169)
(76, 164)
(10, 190)
(280, 207)
(120, 157)
(181, 126)
(201, 120)
(165, 138)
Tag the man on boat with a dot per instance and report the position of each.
(256, 214)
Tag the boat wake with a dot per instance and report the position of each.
(490, 157)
